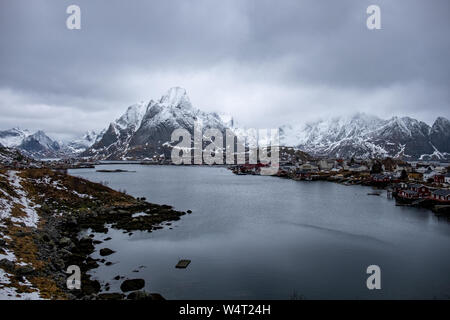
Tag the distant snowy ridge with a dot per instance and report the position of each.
(82, 143)
(144, 131)
(367, 136)
(39, 145)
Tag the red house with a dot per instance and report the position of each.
(422, 191)
(441, 195)
(439, 178)
(408, 194)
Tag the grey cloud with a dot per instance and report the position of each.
(263, 61)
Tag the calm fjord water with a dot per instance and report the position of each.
(255, 237)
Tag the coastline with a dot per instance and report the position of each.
(393, 187)
(41, 231)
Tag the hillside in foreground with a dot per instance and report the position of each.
(41, 216)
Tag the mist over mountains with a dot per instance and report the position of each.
(145, 129)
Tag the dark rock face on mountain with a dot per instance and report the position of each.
(365, 136)
(440, 134)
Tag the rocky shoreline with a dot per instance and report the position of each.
(67, 206)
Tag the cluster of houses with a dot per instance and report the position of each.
(416, 192)
(409, 181)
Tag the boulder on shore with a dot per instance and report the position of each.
(132, 285)
(106, 252)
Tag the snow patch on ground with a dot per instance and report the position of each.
(31, 217)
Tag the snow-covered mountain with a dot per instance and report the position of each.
(39, 145)
(366, 136)
(13, 137)
(82, 143)
(145, 129)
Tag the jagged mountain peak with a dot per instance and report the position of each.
(89, 135)
(441, 123)
(176, 97)
(41, 138)
(133, 116)
(440, 134)
(80, 144)
(144, 132)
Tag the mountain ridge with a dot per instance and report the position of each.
(144, 131)
(368, 136)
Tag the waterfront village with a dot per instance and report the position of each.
(411, 183)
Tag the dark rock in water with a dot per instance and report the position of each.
(114, 171)
(107, 239)
(117, 278)
(139, 295)
(106, 252)
(189, 211)
(90, 287)
(97, 242)
(85, 245)
(108, 263)
(91, 263)
(132, 285)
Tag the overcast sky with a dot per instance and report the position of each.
(264, 62)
